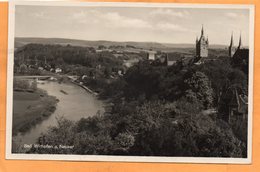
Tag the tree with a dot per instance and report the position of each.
(199, 136)
(188, 106)
(123, 142)
(90, 144)
(107, 72)
(217, 71)
(101, 47)
(144, 78)
(23, 69)
(199, 84)
(62, 134)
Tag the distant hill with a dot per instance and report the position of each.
(21, 41)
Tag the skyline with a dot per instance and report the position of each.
(124, 24)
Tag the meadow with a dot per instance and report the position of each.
(31, 108)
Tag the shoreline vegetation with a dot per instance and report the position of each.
(108, 103)
(31, 106)
(86, 88)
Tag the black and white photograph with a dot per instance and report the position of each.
(135, 82)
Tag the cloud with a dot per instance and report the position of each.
(169, 27)
(109, 19)
(115, 20)
(170, 13)
(84, 16)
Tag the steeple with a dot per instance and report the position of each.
(231, 41)
(231, 48)
(240, 42)
(202, 31)
(202, 45)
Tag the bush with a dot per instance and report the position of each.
(124, 140)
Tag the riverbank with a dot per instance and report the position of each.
(107, 102)
(30, 108)
(85, 88)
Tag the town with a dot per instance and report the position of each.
(167, 87)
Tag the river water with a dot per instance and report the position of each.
(74, 105)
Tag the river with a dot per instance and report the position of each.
(74, 105)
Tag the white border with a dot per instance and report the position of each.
(10, 155)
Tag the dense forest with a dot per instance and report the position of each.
(58, 55)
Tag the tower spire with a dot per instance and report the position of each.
(202, 30)
(240, 42)
(231, 49)
(231, 41)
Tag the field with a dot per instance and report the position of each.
(31, 108)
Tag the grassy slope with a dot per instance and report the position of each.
(30, 109)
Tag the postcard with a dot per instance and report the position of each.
(132, 82)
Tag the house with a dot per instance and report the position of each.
(40, 68)
(84, 76)
(58, 70)
(151, 55)
(233, 104)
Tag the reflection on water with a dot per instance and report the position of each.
(75, 104)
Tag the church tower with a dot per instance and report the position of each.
(240, 43)
(231, 48)
(202, 45)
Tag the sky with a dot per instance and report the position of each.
(141, 24)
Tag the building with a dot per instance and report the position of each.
(240, 56)
(58, 70)
(231, 48)
(233, 105)
(40, 68)
(202, 45)
(240, 60)
(151, 55)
